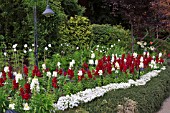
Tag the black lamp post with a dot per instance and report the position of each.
(48, 12)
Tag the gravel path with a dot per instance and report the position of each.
(165, 107)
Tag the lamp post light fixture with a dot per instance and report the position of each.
(48, 12)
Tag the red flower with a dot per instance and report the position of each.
(36, 72)
(54, 82)
(79, 78)
(15, 85)
(25, 70)
(70, 72)
(89, 74)
(21, 91)
(168, 55)
(132, 69)
(26, 96)
(10, 68)
(85, 65)
(10, 74)
(60, 72)
(27, 88)
(1, 82)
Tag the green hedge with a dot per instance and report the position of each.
(108, 35)
(149, 97)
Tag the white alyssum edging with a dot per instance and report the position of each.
(70, 101)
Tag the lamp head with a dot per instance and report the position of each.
(48, 11)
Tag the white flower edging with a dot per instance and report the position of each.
(70, 101)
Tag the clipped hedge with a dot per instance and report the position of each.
(149, 97)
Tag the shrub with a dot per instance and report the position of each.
(109, 35)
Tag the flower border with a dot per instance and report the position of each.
(73, 100)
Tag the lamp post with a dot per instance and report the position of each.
(48, 12)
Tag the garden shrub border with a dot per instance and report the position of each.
(149, 97)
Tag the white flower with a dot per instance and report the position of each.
(117, 65)
(135, 55)
(48, 74)
(58, 64)
(160, 55)
(139, 43)
(145, 43)
(73, 61)
(144, 53)
(118, 40)
(100, 72)
(114, 44)
(113, 69)
(44, 66)
(5, 53)
(46, 48)
(97, 45)
(15, 49)
(80, 73)
(14, 73)
(25, 45)
(18, 77)
(141, 65)
(71, 64)
(0, 74)
(30, 50)
(49, 45)
(148, 54)
(91, 61)
(142, 46)
(6, 69)
(111, 45)
(96, 62)
(32, 44)
(35, 83)
(12, 106)
(152, 48)
(92, 55)
(14, 46)
(141, 59)
(26, 107)
(77, 48)
(25, 51)
(54, 74)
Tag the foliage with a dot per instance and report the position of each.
(76, 32)
(72, 8)
(109, 35)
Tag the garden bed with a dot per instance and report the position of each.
(148, 97)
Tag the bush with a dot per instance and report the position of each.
(109, 35)
(149, 97)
